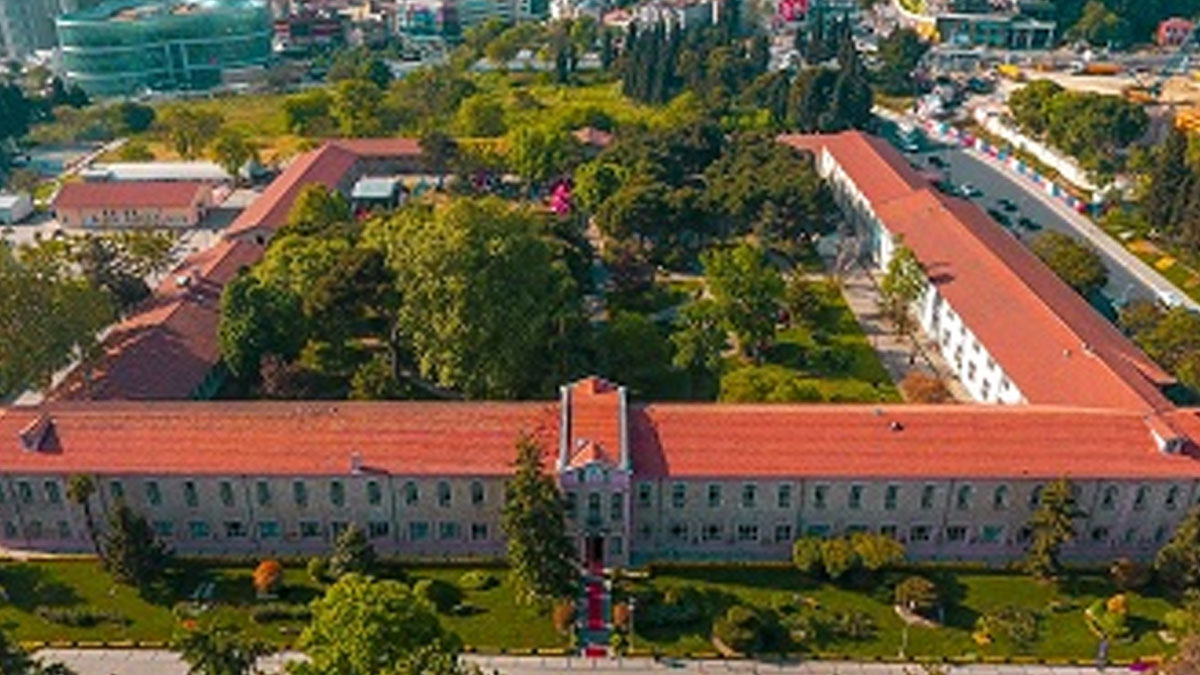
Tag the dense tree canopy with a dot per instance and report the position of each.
(1073, 261)
(746, 288)
(540, 553)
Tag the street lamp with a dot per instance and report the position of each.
(632, 606)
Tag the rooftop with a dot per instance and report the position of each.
(151, 171)
(143, 194)
(143, 10)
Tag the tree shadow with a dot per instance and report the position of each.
(29, 587)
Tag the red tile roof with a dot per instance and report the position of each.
(166, 348)
(326, 165)
(141, 194)
(977, 441)
(595, 406)
(1049, 341)
(380, 147)
(279, 438)
(681, 440)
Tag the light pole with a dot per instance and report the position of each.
(632, 607)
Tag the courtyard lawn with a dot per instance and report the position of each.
(1062, 632)
(494, 621)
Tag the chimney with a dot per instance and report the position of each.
(34, 435)
(356, 465)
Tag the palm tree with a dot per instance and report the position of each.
(80, 488)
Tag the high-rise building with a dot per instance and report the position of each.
(28, 25)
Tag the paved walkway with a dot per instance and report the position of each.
(158, 662)
(899, 355)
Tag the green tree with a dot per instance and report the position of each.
(362, 625)
(1015, 624)
(135, 151)
(1030, 104)
(80, 489)
(631, 346)
(747, 289)
(216, 649)
(837, 557)
(132, 118)
(298, 263)
(1178, 561)
(231, 149)
(902, 285)
(352, 553)
(700, 337)
(463, 270)
(47, 318)
(130, 551)
(770, 383)
(804, 300)
(481, 115)
(899, 54)
(190, 129)
(595, 182)
(1075, 262)
(309, 113)
(1101, 27)
(439, 150)
(916, 594)
(806, 555)
(539, 153)
(356, 108)
(741, 629)
(877, 551)
(1168, 181)
(258, 319)
(1051, 526)
(317, 209)
(540, 554)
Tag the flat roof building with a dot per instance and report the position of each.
(206, 172)
(125, 47)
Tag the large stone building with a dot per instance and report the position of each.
(1060, 393)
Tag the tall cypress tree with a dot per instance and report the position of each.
(540, 553)
(1168, 180)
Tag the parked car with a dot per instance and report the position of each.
(1000, 217)
(1029, 223)
(1006, 204)
(937, 162)
(969, 191)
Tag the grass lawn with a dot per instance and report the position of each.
(496, 622)
(1062, 632)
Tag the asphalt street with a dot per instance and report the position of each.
(1129, 278)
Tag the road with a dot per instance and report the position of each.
(157, 662)
(1129, 277)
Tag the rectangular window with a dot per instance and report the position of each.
(855, 499)
(1000, 498)
(678, 531)
(616, 507)
(411, 494)
(817, 531)
(235, 529)
(747, 533)
(963, 500)
(53, 495)
(300, 493)
(198, 529)
(749, 495)
(226, 492)
(479, 531)
(888, 531)
(443, 494)
(1099, 534)
(783, 533)
(1108, 501)
(593, 507)
(927, 494)
(784, 497)
(678, 495)
(1140, 498)
(919, 533)
(712, 532)
(820, 496)
(374, 493)
(337, 493)
(477, 494)
(337, 527)
(24, 492)
(262, 491)
(991, 534)
(163, 528)
(714, 496)
(116, 489)
(644, 495)
(189, 494)
(418, 530)
(310, 529)
(956, 533)
(890, 495)
(449, 530)
(1172, 500)
(268, 529)
(616, 546)
(153, 493)
(378, 529)
(64, 530)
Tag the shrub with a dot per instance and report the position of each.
(268, 577)
(352, 553)
(318, 569)
(837, 557)
(917, 594)
(1017, 624)
(563, 616)
(876, 551)
(1129, 575)
(441, 595)
(740, 629)
(280, 611)
(921, 388)
(679, 605)
(806, 555)
(854, 625)
(80, 617)
(477, 580)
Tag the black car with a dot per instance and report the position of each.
(1029, 223)
(1000, 217)
(937, 162)
(1006, 204)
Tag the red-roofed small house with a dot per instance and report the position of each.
(142, 204)
(1173, 32)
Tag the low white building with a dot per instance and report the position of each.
(205, 172)
(14, 207)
